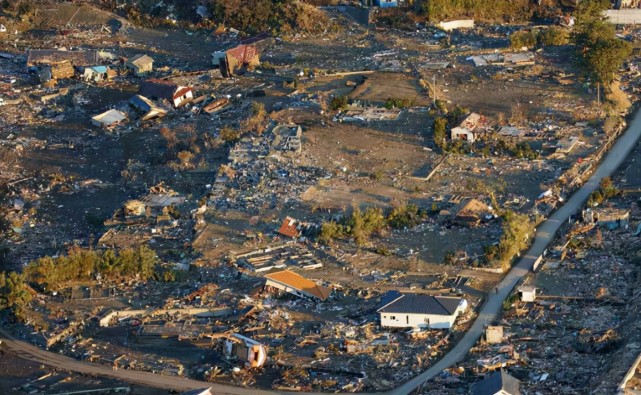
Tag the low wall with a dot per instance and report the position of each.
(624, 17)
(460, 24)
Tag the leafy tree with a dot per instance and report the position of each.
(602, 53)
(440, 132)
(14, 294)
(338, 103)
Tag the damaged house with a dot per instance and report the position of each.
(253, 353)
(152, 205)
(140, 64)
(96, 74)
(467, 129)
(166, 90)
(289, 228)
(236, 60)
(471, 212)
(292, 283)
(400, 310)
(51, 64)
(108, 119)
(146, 108)
(287, 138)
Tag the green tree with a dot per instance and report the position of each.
(338, 103)
(14, 294)
(440, 132)
(602, 54)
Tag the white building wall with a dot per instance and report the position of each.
(187, 96)
(398, 320)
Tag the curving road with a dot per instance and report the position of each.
(488, 313)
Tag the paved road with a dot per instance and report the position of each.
(489, 312)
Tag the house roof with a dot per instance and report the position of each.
(47, 56)
(110, 117)
(473, 207)
(420, 304)
(158, 89)
(244, 53)
(62, 69)
(300, 283)
(97, 69)
(140, 60)
(288, 227)
(141, 103)
(495, 382)
(162, 89)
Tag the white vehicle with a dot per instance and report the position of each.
(1, 102)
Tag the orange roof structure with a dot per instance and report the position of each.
(299, 283)
(288, 228)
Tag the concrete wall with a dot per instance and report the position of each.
(219, 312)
(624, 17)
(460, 24)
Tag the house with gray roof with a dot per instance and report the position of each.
(497, 383)
(405, 310)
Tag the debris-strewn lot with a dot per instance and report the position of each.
(193, 200)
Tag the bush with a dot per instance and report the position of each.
(440, 132)
(397, 103)
(539, 38)
(85, 264)
(406, 216)
(521, 39)
(338, 103)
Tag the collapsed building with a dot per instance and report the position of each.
(175, 94)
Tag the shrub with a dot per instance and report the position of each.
(339, 103)
(397, 103)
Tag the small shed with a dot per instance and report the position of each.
(494, 334)
(527, 293)
(108, 118)
(140, 64)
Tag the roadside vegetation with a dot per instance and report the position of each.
(517, 231)
(361, 225)
(606, 190)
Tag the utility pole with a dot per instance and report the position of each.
(434, 89)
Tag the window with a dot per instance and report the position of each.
(393, 317)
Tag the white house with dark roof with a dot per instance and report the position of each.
(399, 310)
